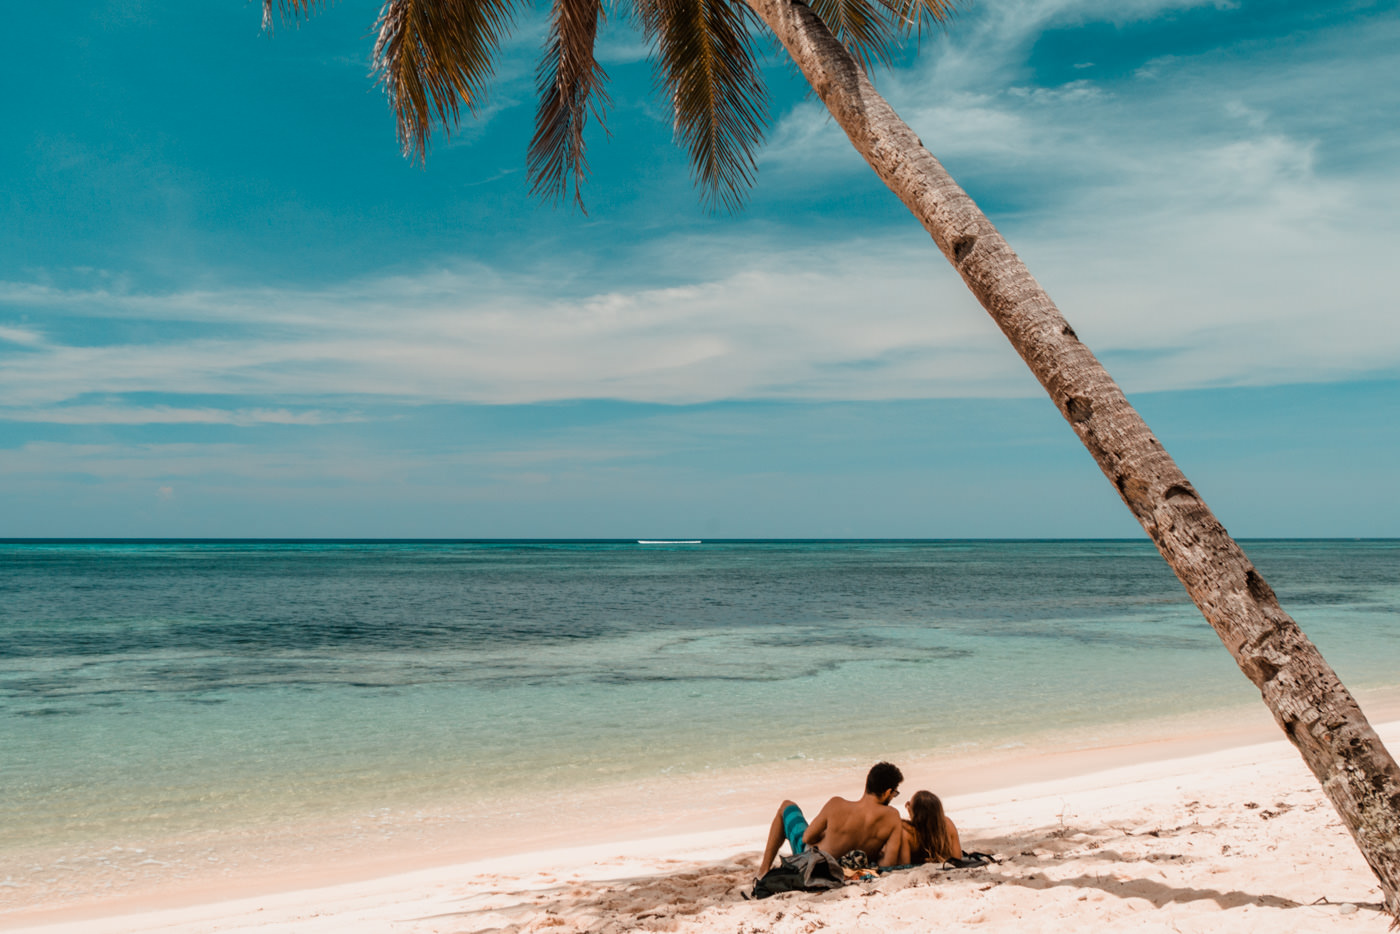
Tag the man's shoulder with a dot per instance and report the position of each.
(883, 810)
(881, 815)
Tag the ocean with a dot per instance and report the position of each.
(155, 690)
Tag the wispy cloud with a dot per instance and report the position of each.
(23, 336)
(171, 415)
(212, 465)
(1195, 217)
(855, 323)
(1182, 302)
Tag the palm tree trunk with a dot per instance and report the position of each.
(1311, 705)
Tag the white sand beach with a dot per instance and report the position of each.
(1232, 839)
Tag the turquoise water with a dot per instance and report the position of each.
(154, 688)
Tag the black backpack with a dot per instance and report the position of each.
(812, 870)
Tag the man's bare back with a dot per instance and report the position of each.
(868, 824)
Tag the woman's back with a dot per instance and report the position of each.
(929, 836)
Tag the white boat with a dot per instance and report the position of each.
(668, 541)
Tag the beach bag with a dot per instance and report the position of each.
(812, 870)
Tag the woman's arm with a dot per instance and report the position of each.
(890, 853)
(906, 844)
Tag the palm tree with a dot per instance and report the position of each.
(433, 56)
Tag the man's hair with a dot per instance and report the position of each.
(883, 777)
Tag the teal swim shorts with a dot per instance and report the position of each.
(794, 826)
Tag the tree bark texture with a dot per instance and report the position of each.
(1311, 705)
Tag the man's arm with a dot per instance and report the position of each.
(817, 828)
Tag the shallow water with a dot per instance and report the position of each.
(152, 689)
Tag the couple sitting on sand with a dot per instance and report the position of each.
(870, 826)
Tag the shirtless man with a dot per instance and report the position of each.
(841, 826)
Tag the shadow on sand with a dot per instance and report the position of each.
(658, 901)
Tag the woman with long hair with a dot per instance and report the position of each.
(929, 836)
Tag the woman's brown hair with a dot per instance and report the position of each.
(931, 841)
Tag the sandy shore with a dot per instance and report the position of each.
(1237, 838)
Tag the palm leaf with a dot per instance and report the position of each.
(288, 9)
(570, 85)
(433, 54)
(912, 16)
(707, 66)
(865, 27)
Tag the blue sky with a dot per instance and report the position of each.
(229, 307)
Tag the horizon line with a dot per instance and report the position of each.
(55, 540)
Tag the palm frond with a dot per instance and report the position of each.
(287, 9)
(570, 85)
(913, 16)
(433, 55)
(707, 67)
(865, 27)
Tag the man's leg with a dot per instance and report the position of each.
(776, 835)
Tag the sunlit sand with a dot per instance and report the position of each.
(1237, 837)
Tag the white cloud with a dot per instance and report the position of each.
(855, 323)
(207, 464)
(1275, 281)
(1217, 219)
(1206, 221)
(22, 336)
(171, 415)
(1071, 92)
(209, 467)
